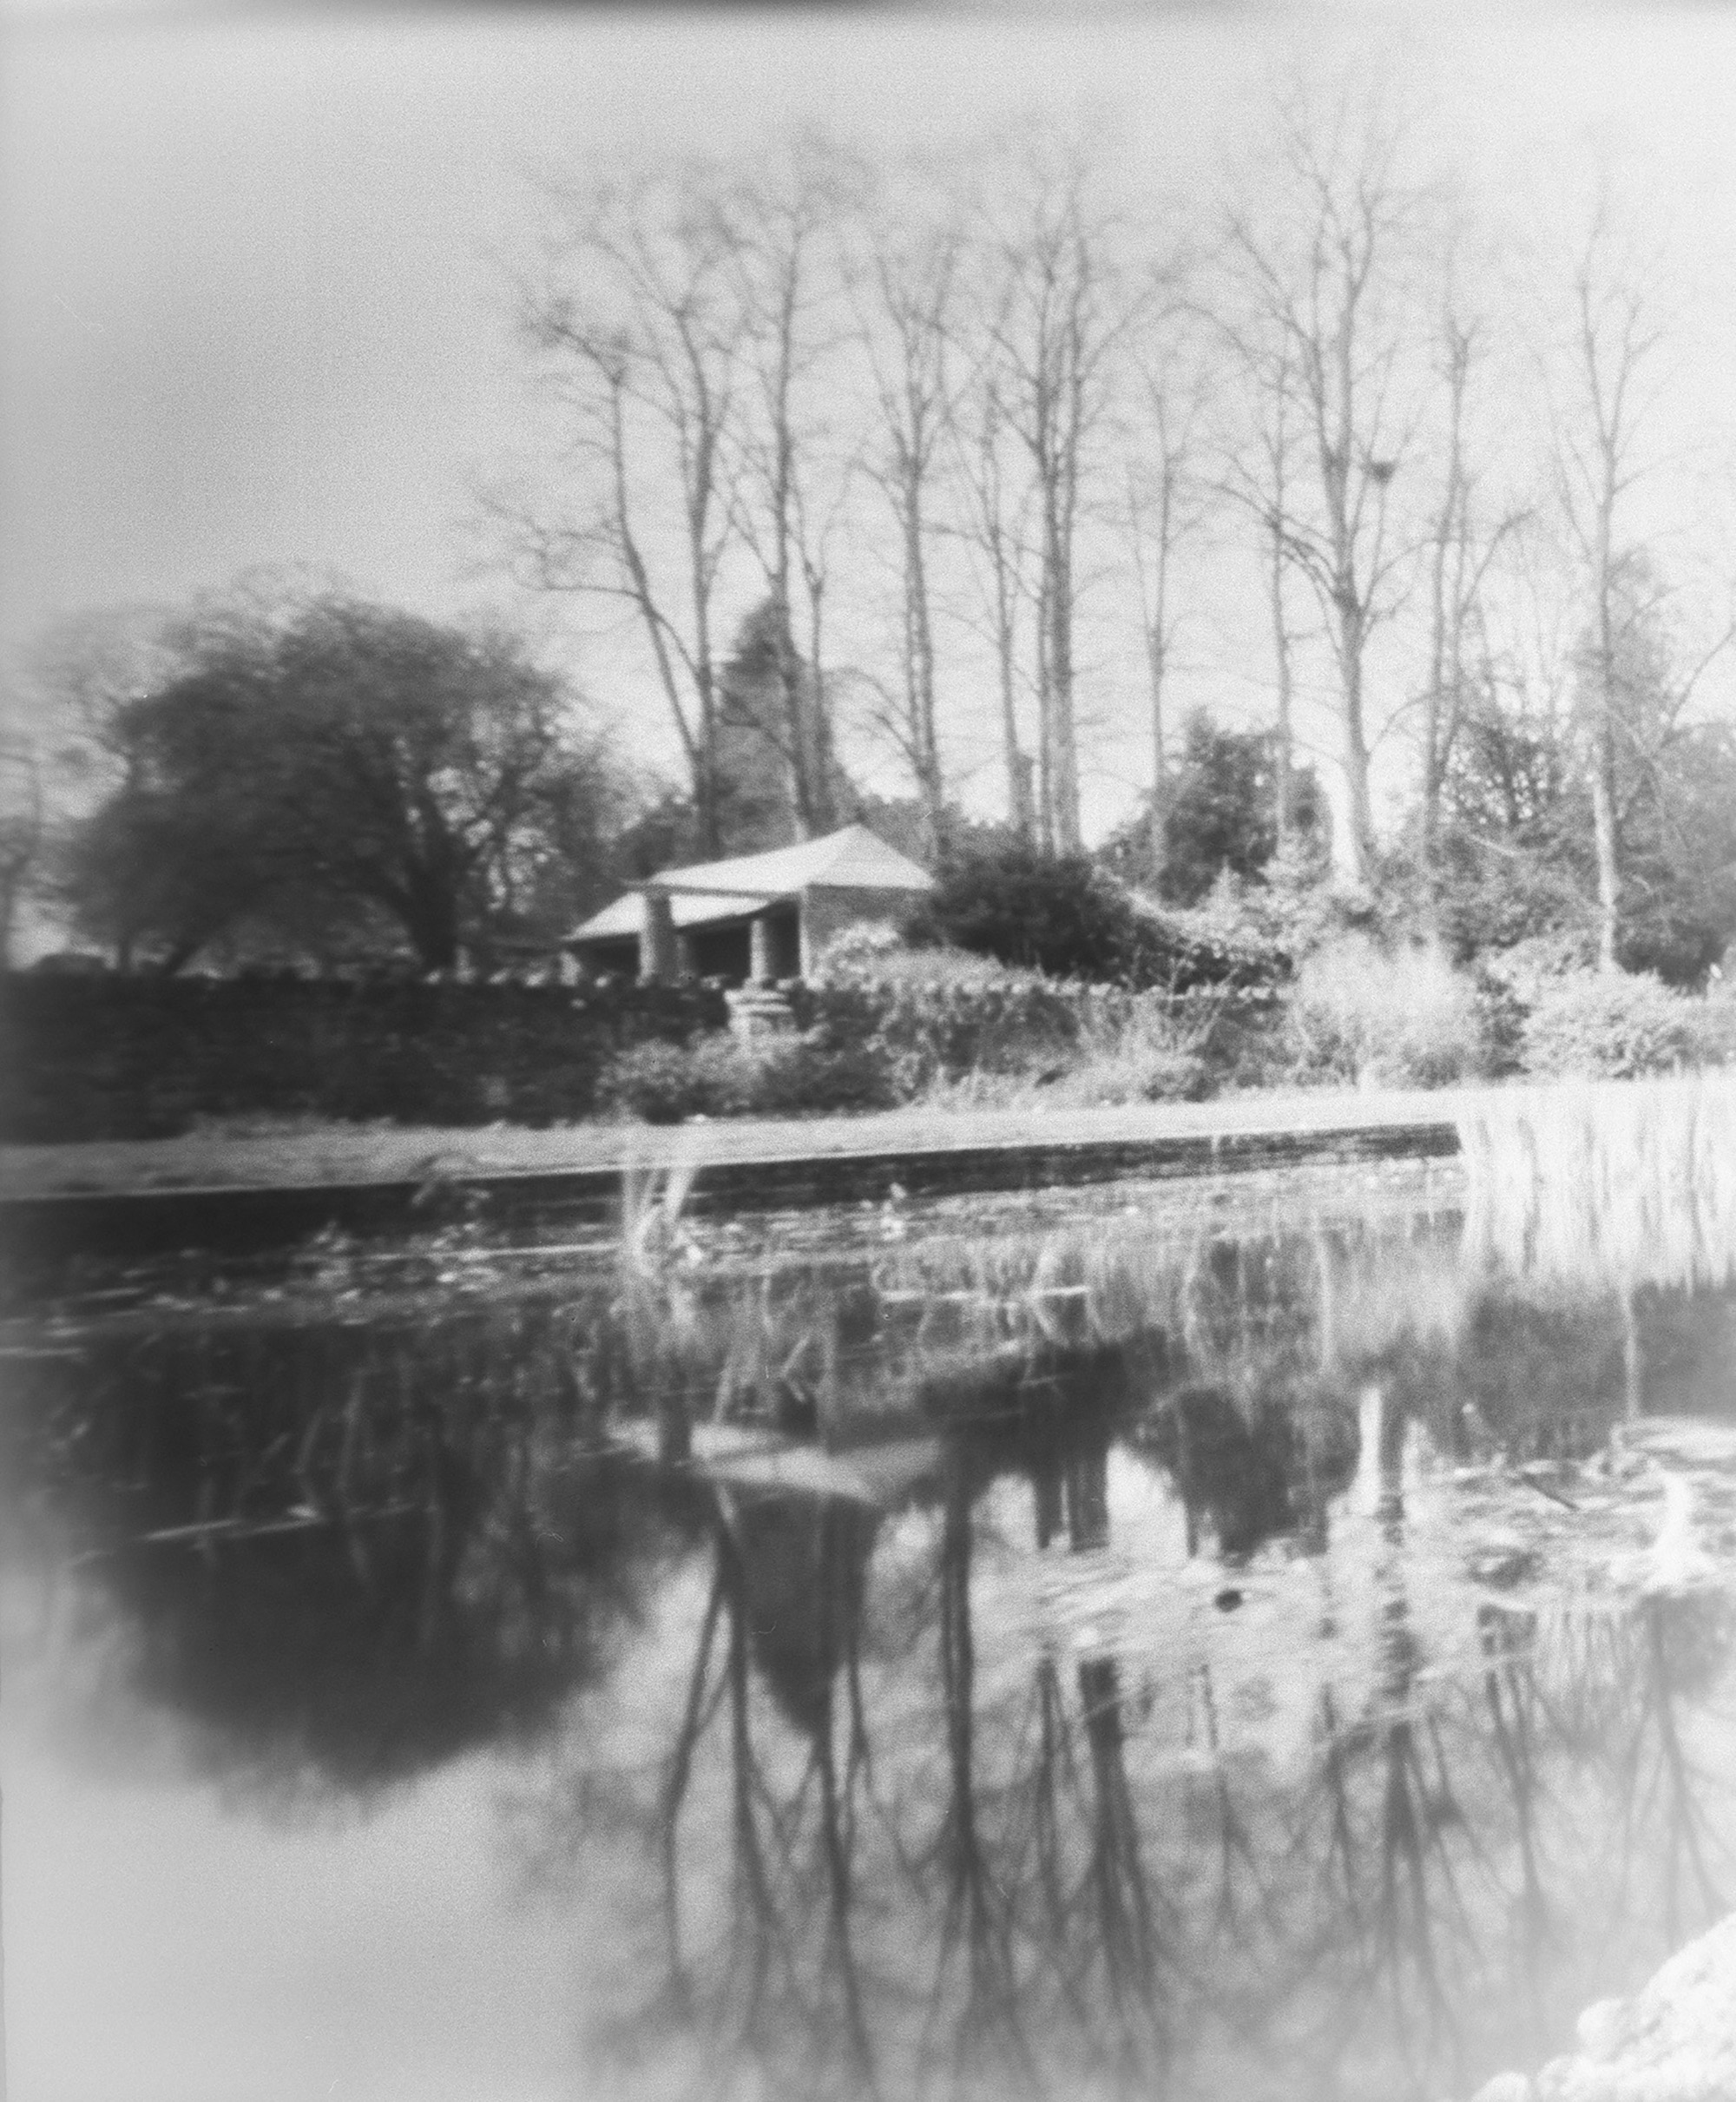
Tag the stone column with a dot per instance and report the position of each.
(759, 966)
(657, 959)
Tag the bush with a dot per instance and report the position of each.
(1403, 1019)
(1616, 1026)
(719, 1075)
(660, 1083)
(1540, 960)
(1137, 1050)
(933, 1014)
(1064, 916)
(1049, 913)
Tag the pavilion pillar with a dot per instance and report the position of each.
(659, 961)
(761, 968)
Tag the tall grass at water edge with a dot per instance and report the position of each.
(1619, 1182)
(961, 1326)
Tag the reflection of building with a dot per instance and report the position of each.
(760, 916)
(801, 1563)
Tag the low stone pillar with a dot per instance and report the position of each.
(761, 970)
(658, 961)
(757, 1010)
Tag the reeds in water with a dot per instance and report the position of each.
(1622, 1182)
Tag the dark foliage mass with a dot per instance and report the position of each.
(141, 1057)
(1220, 816)
(1065, 915)
(334, 779)
(334, 1547)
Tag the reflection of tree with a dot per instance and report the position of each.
(1510, 1688)
(925, 1827)
(787, 1598)
(1255, 1468)
(350, 1551)
(1413, 1821)
(1682, 1639)
(979, 2012)
(1072, 1867)
(1127, 1942)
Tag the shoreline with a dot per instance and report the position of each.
(251, 1194)
(273, 1156)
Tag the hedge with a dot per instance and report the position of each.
(144, 1058)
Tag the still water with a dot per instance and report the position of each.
(1253, 1643)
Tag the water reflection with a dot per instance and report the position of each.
(1130, 1660)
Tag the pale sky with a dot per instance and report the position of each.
(251, 314)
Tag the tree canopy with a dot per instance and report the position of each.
(344, 778)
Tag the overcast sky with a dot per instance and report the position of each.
(251, 314)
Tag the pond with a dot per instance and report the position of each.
(1266, 1641)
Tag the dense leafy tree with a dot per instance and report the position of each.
(1067, 915)
(1221, 814)
(1045, 911)
(343, 775)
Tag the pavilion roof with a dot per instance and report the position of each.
(706, 892)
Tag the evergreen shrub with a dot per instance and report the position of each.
(1065, 916)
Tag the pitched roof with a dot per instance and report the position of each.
(852, 859)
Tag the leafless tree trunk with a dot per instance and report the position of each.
(1284, 792)
(1257, 476)
(636, 313)
(1058, 320)
(1458, 565)
(1322, 294)
(783, 231)
(1165, 507)
(1596, 443)
(909, 335)
(997, 518)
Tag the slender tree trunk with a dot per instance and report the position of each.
(1355, 753)
(1020, 814)
(1061, 664)
(1606, 842)
(823, 760)
(1280, 643)
(1045, 721)
(1350, 606)
(1605, 829)
(1156, 654)
(924, 746)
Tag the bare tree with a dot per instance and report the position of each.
(783, 228)
(1059, 316)
(1328, 287)
(1258, 467)
(636, 312)
(1460, 554)
(1166, 506)
(997, 520)
(912, 287)
(1597, 438)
